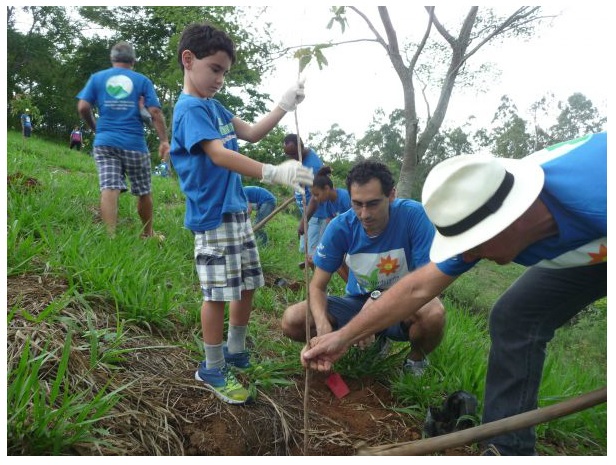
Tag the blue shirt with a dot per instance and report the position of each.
(379, 262)
(26, 121)
(259, 195)
(312, 161)
(210, 190)
(575, 193)
(340, 205)
(116, 93)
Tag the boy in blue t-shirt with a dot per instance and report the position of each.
(204, 151)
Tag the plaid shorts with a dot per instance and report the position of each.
(114, 165)
(227, 259)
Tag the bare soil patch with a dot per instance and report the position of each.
(165, 412)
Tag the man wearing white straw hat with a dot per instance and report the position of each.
(548, 212)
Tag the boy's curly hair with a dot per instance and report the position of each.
(204, 40)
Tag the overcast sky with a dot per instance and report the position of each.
(566, 56)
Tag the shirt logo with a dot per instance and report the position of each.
(119, 86)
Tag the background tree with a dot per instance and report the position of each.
(474, 33)
(52, 57)
(384, 139)
(577, 117)
(510, 139)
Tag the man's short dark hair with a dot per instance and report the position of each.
(123, 52)
(364, 171)
(204, 40)
(292, 139)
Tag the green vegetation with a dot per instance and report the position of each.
(110, 298)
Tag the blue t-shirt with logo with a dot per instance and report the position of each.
(116, 92)
(210, 190)
(377, 262)
(575, 193)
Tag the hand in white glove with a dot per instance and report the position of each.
(289, 173)
(293, 96)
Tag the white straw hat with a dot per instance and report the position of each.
(472, 198)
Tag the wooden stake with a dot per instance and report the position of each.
(278, 209)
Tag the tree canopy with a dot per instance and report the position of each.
(53, 50)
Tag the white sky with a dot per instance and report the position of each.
(567, 56)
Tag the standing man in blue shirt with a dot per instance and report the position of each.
(381, 239)
(320, 217)
(120, 148)
(26, 123)
(548, 212)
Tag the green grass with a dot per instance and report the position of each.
(53, 230)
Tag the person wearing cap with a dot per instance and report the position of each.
(381, 239)
(548, 212)
(120, 149)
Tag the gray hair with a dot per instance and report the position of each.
(122, 52)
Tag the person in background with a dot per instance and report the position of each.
(120, 148)
(206, 158)
(382, 239)
(319, 219)
(264, 202)
(548, 212)
(335, 200)
(26, 123)
(75, 139)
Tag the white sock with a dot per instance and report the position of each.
(236, 339)
(214, 357)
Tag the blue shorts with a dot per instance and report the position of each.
(316, 228)
(227, 259)
(115, 164)
(343, 309)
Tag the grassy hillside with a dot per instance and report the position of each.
(83, 309)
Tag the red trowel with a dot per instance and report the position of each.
(337, 385)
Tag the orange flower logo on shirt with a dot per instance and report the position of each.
(599, 257)
(388, 265)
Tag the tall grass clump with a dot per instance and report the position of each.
(48, 417)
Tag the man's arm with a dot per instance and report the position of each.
(400, 302)
(318, 300)
(161, 129)
(85, 111)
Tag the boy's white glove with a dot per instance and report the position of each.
(293, 96)
(289, 173)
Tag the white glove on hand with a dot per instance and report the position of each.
(293, 97)
(289, 173)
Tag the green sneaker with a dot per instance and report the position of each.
(223, 383)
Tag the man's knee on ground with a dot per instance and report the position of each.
(293, 323)
(434, 315)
